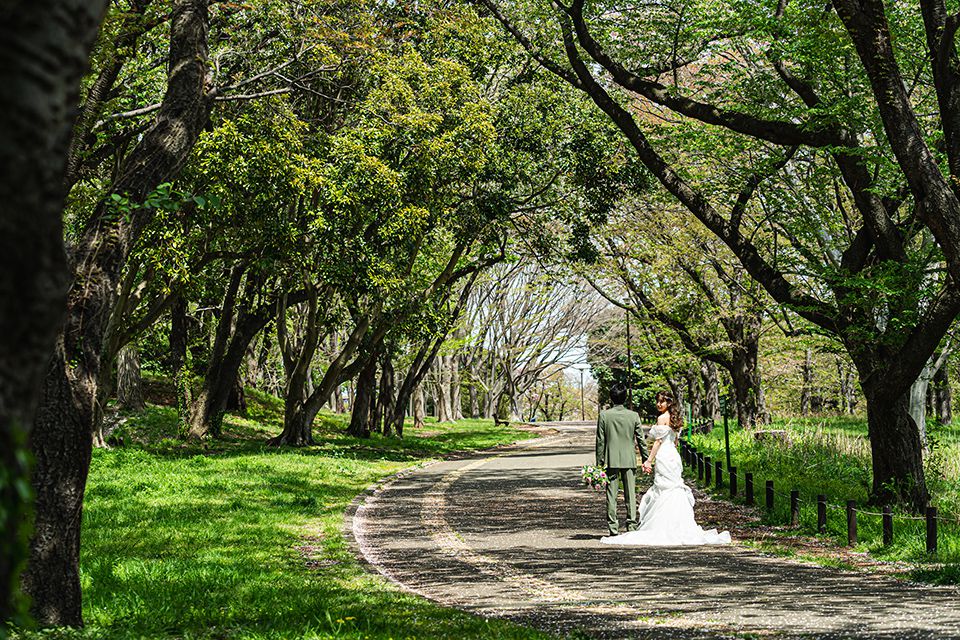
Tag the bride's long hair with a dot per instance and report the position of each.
(676, 416)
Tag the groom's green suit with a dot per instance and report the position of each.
(617, 430)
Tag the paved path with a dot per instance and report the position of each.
(516, 535)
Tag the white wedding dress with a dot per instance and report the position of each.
(666, 510)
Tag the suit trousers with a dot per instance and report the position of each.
(628, 477)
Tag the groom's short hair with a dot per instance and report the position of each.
(618, 393)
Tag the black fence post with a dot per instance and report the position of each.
(887, 525)
(733, 482)
(931, 529)
(707, 470)
(852, 523)
(748, 487)
(794, 508)
(821, 513)
(699, 466)
(769, 495)
(718, 471)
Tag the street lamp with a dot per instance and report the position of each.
(629, 366)
(583, 414)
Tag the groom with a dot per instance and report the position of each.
(617, 430)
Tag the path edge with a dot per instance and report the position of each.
(348, 528)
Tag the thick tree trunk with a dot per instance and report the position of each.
(44, 52)
(711, 389)
(363, 401)
(61, 436)
(896, 448)
(806, 390)
(745, 375)
(129, 384)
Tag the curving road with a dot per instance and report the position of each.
(514, 534)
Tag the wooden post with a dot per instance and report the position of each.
(852, 523)
(699, 466)
(769, 495)
(733, 482)
(748, 487)
(887, 525)
(931, 529)
(707, 470)
(718, 471)
(821, 513)
(794, 508)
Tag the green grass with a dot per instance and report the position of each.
(830, 456)
(232, 539)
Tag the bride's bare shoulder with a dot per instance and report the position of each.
(664, 418)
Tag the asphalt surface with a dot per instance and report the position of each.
(514, 534)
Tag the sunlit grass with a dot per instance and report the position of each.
(831, 456)
(234, 539)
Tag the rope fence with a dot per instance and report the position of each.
(711, 472)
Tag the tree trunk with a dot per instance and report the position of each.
(44, 52)
(711, 389)
(456, 403)
(917, 394)
(942, 397)
(363, 401)
(387, 399)
(744, 332)
(237, 400)
(895, 446)
(333, 377)
(212, 401)
(474, 399)
(806, 390)
(129, 387)
(178, 363)
(442, 381)
(418, 407)
(61, 435)
(695, 395)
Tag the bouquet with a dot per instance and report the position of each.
(594, 477)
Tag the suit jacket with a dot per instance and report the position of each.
(617, 430)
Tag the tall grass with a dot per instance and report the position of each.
(832, 457)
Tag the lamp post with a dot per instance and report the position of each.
(583, 413)
(629, 366)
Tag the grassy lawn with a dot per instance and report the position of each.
(231, 539)
(831, 456)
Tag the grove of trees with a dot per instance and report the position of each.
(439, 207)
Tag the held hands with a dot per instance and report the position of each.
(647, 466)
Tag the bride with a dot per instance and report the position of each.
(666, 510)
